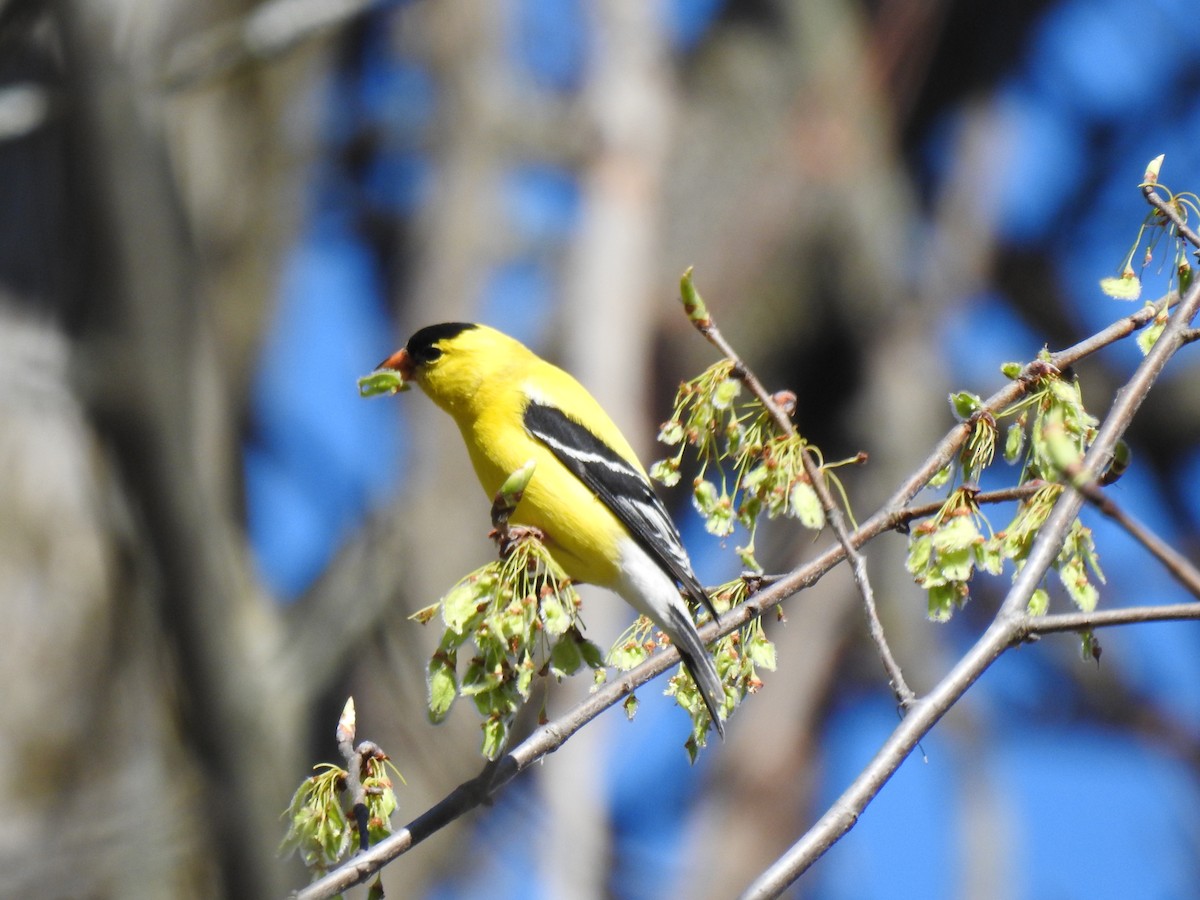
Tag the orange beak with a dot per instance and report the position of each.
(400, 362)
(393, 374)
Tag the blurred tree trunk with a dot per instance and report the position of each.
(150, 745)
(99, 794)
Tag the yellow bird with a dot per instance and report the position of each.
(589, 495)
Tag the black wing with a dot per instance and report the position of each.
(620, 487)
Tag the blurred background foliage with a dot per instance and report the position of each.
(213, 217)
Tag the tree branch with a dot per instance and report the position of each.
(921, 716)
(1006, 629)
(1133, 615)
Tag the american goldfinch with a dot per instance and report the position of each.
(589, 495)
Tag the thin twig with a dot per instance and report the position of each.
(983, 498)
(1178, 565)
(704, 323)
(1132, 615)
(1155, 199)
(354, 761)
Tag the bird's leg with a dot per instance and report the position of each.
(504, 504)
(506, 535)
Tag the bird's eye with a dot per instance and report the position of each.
(424, 354)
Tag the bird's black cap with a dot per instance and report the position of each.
(421, 346)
